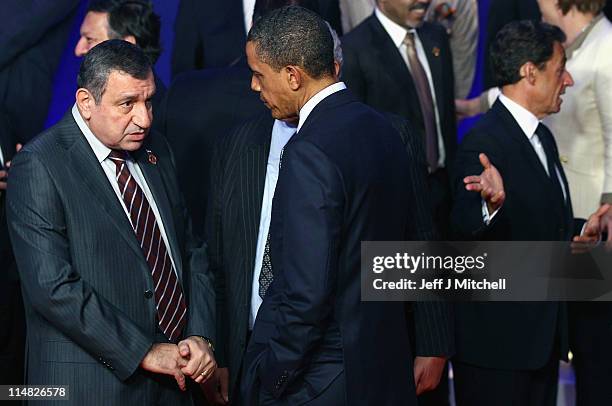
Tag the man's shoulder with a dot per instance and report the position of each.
(361, 32)
(46, 143)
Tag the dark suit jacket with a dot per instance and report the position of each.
(237, 177)
(501, 12)
(376, 72)
(33, 34)
(211, 34)
(199, 108)
(509, 335)
(83, 272)
(342, 181)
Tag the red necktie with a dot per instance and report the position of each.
(169, 300)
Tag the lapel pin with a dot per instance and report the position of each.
(152, 157)
(435, 51)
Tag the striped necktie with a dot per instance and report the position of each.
(169, 300)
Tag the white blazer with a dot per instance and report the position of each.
(583, 127)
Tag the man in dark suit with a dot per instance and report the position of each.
(212, 34)
(117, 292)
(130, 20)
(508, 353)
(396, 62)
(32, 38)
(340, 182)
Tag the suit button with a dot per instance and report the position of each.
(148, 294)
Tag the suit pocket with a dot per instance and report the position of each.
(263, 332)
(65, 351)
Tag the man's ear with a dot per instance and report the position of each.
(528, 72)
(85, 102)
(130, 38)
(295, 77)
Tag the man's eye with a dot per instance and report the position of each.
(127, 104)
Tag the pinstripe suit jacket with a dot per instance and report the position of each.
(238, 173)
(84, 275)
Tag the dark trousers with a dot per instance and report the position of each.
(475, 386)
(12, 334)
(591, 344)
(441, 201)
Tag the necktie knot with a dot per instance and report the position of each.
(409, 39)
(118, 157)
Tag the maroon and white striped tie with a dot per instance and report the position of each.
(169, 300)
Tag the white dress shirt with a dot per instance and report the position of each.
(248, 7)
(281, 133)
(110, 169)
(398, 34)
(1, 157)
(528, 123)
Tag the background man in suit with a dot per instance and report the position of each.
(310, 346)
(32, 38)
(130, 20)
(111, 276)
(395, 62)
(212, 34)
(508, 353)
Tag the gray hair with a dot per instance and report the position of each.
(109, 56)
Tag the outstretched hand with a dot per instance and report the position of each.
(489, 184)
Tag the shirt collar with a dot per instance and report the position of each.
(525, 119)
(395, 31)
(100, 150)
(316, 99)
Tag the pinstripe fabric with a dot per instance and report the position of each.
(432, 323)
(237, 180)
(169, 300)
(84, 275)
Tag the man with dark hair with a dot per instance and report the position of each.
(130, 20)
(117, 292)
(508, 353)
(340, 182)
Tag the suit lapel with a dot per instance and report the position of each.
(529, 154)
(86, 167)
(253, 167)
(152, 175)
(393, 64)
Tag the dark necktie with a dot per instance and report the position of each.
(425, 100)
(547, 141)
(266, 276)
(169, 300)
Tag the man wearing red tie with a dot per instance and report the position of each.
(119, 303)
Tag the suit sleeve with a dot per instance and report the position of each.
(466, 215)
(54, 288)
(24, 23)
(188, 49)
(201, 306)
(420, 225)
(603, 101)
(214, 238)
(310, 200)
